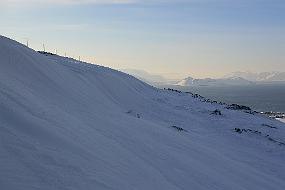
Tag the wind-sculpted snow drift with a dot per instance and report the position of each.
(65, 124)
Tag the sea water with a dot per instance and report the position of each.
(260, 97)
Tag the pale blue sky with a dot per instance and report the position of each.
(187, 37)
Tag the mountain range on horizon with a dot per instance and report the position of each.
(234, 78)
(150, 77)
(259, 77)
(210, 82)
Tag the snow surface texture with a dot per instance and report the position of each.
(282, 120)
(65, 124)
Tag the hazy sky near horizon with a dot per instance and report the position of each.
(201, 38)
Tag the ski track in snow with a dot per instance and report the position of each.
(65, 124)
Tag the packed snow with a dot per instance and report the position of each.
(66, 124)
(281, 119)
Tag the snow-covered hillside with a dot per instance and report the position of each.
(68, 125)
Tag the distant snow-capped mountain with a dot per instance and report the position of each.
(149, 77)
(214, 82)
(235, 78)
(259, 77)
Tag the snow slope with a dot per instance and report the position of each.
(65, 124)
(282, 120)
